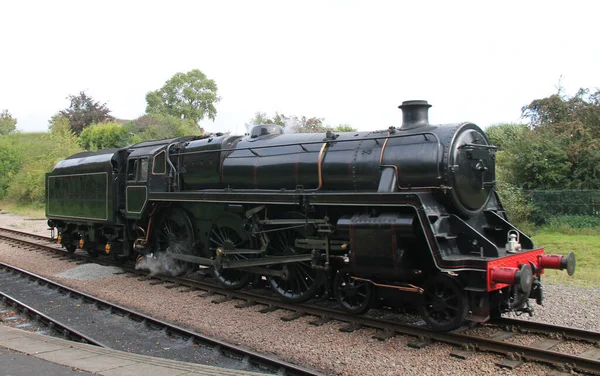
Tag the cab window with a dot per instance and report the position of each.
(137, 170)
(143, 166)
(159, 164)
(131, 169)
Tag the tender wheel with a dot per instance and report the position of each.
(443, 304)
(92, 252)
(174, 234)
(301, 282)
(354, 296)
(70, 248)
(227, 233)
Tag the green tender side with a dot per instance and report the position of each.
(81, 196)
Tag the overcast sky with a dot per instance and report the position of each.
(349, 62)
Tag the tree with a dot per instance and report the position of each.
(296, 124)
(344, 128)
(104, 135)
(188, 95)
(157, 126)
(84, 111)
(503, 135)
(8, 124)
(11, 159)
(576, 121)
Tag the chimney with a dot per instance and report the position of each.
(414, 114)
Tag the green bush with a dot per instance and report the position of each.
(517, 208)
(11, 160)
(41, 152)
(28, 187)
(104, 135)
(158, 127)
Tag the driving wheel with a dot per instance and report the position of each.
(174, 235)
(299, 282)
(227, 233)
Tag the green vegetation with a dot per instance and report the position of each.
(36, 211)
(297, 124)
(85, 111)
(587, 252)
(104, 135)
(188, 95)
(8, 124)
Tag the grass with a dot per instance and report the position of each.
(30, 211)
(587, 253)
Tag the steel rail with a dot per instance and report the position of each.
(54, 324)
(26, 234)
(565, 331)
(240, 351)
(454, 338)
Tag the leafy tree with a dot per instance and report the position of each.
(65, 142)
(8, 124)
(297, 124)
(104, 135)
(11, 159)
(538, 160)
(503, 135)
(157, 127)
(263, 118)
(28, 184)
(517, 207)
(188, 95)
(344, 128)
(575, 120)
(84, 111)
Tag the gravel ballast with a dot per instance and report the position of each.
(324, 347)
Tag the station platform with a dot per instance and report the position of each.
(46, 355)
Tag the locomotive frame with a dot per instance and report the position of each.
(406, 214)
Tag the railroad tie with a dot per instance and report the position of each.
(546, 344)
(268, 309)
(420, 344)
(382, 335)
(222, 299)
(293, 316)
(189, 289)
(246, 304)
(321, 321)
(352, 327)
(462, 354)
(593, 354)
(502, 335)
(154, 283)
(206, 294)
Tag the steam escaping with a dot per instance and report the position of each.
(161, 263)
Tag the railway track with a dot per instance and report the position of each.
(502, 341)
(124, 328)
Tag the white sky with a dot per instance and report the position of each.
(350, 62)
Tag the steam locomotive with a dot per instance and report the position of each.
(408, 214)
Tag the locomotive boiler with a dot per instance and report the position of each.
(408, 214)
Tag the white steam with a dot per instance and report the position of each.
(161, 263)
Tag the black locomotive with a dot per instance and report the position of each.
(406, 214)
